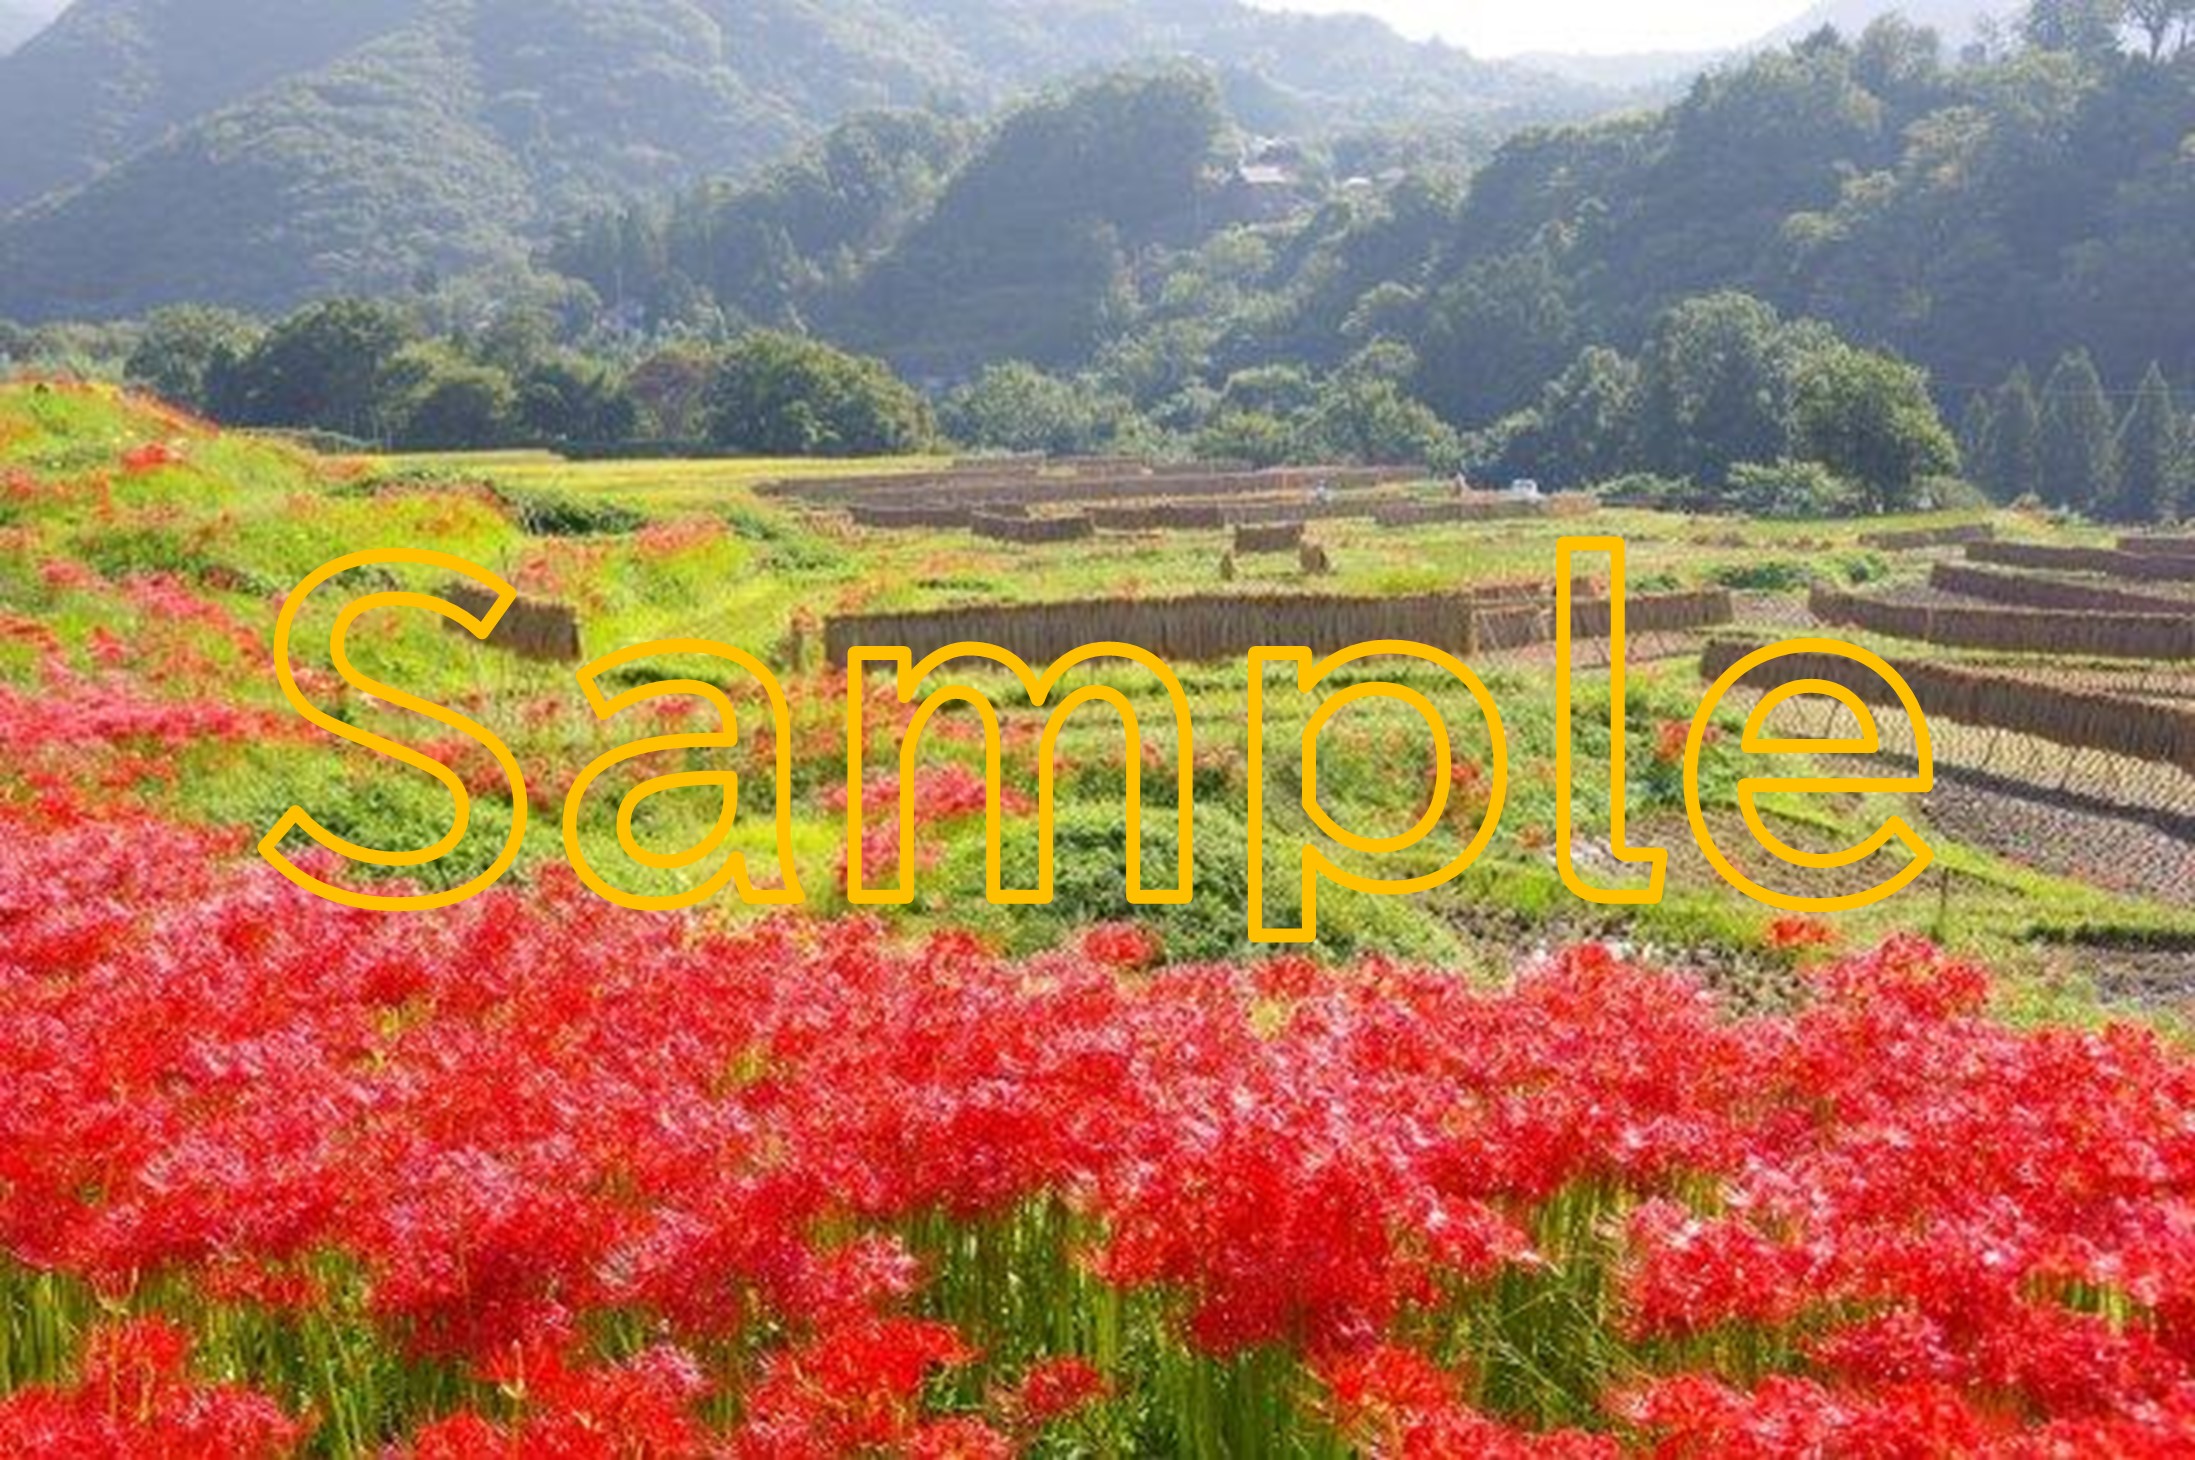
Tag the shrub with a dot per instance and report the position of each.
(1770, 575)
(546, 513)
(1646, 486)
(1790, 489)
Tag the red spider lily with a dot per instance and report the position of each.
(1128, 947)
(667, 539)
(1672, 737)
(1396, 1402)
(1467, 790)
(641, 1408)
(1052, 1390)
(65, 574)
(1793, 934)
(854, 1389)
(534, 1117)
(1693, 1274)
(151, 457)
(943, 794)
(135, 1398)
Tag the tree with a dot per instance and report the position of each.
(575, 401)
(1975, 424)
(672, 388)
(1256, 437)
(2149, 454)
(1278, 390)
(325, 367)
(183, 350)
(522, 333)
(1588, 420)
(2157, 19)
(1016, 407)
(1869, 418)
(2012, 461)
(785, 395)
(1494, 334)
(449, 403)
(1364, 416)
(2078, 462)
(1712, 387)
(1898, 60)
(2079, 27)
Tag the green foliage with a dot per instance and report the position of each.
(1953, 494)
(1790, 489)
(1274, 390)
(1869, 418)
(1648, 487)
(766, 253)
(1769, 575)
(1014, 406)
(2150, 458)
(566, 401)
(782, 395)
(547, 513)
(444, 402)
(1963, 219)
(1363, 413)
(120, 553)
(280, 151)
(2011, 463)
(2158, 20)
(1758, 272)
(1494, 333)
(1257, 438)
(2078, 449)
(183, 350)
(1025, 255)
(1725, 390)
(671, 388)
(2087, 28)
(325, 366)
(1588, 420)
(1091, 878)
(1715, 387)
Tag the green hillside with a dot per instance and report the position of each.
(251, 152)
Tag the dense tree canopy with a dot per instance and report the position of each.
(781, 395)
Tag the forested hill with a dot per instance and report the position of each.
(1969, 217)
(254, 151)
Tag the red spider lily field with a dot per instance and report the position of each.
(538, 1176)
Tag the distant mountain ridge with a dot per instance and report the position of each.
(22, 19)
(257, 151)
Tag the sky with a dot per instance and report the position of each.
(1507, 27)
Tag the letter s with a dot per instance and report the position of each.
(297, 818)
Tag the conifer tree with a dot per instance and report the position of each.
(2012, 459)
(2078, 460)
(1974, 426)
(2149, 453)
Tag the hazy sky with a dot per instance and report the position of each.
(1504, 27)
